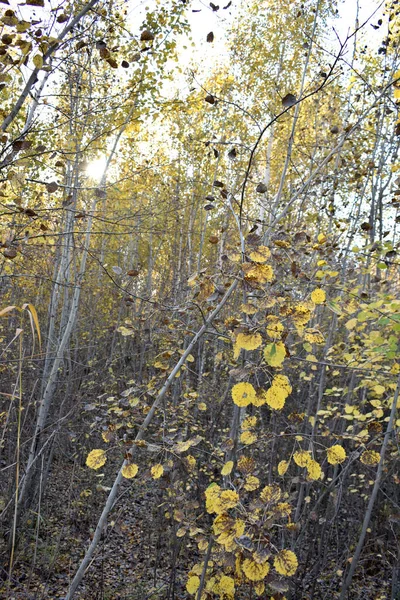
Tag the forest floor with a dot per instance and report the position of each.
(135, 559)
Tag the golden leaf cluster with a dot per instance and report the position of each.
(336, 454)
(227, 468)
(227, 529)
(314, 336)
(246, 341)
(257, 274)
(302, 458)
(271, 494)
(220, 501)
(260, 254)
(248, 437)
(370, 457)
(318, 296)
(251, 483)
(301, 316)
(274, 327)
(193, 584)
(276, 395)
(243, 394)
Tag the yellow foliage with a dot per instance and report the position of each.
(370, 457)
(243, 394)
(246, 464)
(259, 588)
(229, 499)
(249, 422)
(129, 471)
(314, 470)
(318, 296)
(212, 498)
(314, 336)
(286, 563)
(283, 467)
(246, 341)
(96, 459)
(302, 458)
(157, 471)
(251, 483)
(248, 308)
(283, 509)
(301, 316)
(283, 382)
(336, 455)
(190, 462)
(248, 438)
(193, 584)
(270, 494)
(254, 571)
(256, 273)
(275, 397)
(260, 255)
(275, 354)
(227, 587)
(227, 529)
(227, 468)
(274, 327)
(259, 399)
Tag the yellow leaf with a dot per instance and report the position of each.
(274, 354)
(283, 467)
(275, 397)
(248, 438)
(249, 422)
(379, 389)
(157, 471)
(38, 61)
(270, 494)
(129, 471)
(314, 470)
(243, 394)
(351, 324)
(181, 532)
(336, 455)
(255, 571)
(301, 458)
(251, 483)
(248, 309)
(227, 586)
(96, 459)
(318, 296)
(228, 499)
(227, 468)
(286, 563)
(193, 584)
(258, 273)
(260, 254)
(247, 341)
(370, 457)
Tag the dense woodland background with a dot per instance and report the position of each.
(200, 296)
